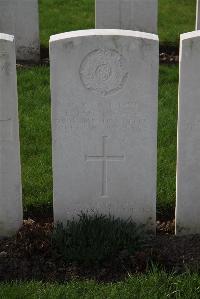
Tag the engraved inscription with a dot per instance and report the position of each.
(104, 71)
(104, 158)
(104, 115)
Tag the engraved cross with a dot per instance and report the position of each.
(105, 158)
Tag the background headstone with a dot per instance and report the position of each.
(20, 18)
(138, 15)
(188, 168)
(10, 172)
(198, 15)
(104, 121)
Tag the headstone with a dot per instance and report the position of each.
(138, 15)
(198, 15)
(10, 173)
(20, 18)
(188, 167)
(104, 121)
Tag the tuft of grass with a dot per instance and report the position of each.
(93, 239)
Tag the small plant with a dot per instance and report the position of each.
(94, 239)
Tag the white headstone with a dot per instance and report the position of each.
(138, 15)
(188, 168)
(20, 18)
(10, 173)
(104, 121)
(198, 15)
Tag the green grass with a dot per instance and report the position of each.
(35, 133)
(167, 132)
(175, 17)
(35, 130)
(92, 240)
(56, 16)
(155, 285)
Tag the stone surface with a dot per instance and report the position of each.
(104, 122)
(198, 15)
(188, 167)
(20, 18)
(138, 15)
(10, 173)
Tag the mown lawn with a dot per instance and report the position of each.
(175, 17)
(35, 137)
(56, 16)
(156, 285)
(35, 130)
(167, 135)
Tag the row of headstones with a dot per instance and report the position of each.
(104, 87)
(20, 18)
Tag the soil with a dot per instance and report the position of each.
(29, 255)
(169, 54)
(169, 58)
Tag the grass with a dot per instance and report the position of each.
(167, 132)
(56, 16)
(175, 17)
(155, 285)
(35, 131)
(92, 240)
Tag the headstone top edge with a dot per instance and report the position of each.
(7, 37)
(188, 35)
(103, 32)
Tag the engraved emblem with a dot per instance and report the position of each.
(104, 71)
